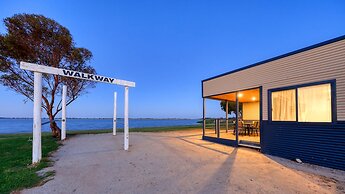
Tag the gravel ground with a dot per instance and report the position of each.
(178, 162)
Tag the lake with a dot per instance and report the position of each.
(25, 125)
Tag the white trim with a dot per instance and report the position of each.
(74, 74)
(249, 146)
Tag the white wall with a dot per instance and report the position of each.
(318, 64)
(251, 111)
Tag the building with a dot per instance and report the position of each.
(292, 106)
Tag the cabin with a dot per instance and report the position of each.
(291, 106)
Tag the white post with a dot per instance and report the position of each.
(36, 131)
(114, 121)
(63, 114)
(126, 135)
(237, 116)
(227, 116)
(203, 116)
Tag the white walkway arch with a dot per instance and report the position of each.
(38, 70)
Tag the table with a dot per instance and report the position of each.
(247, 128)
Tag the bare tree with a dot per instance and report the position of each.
(37, 39)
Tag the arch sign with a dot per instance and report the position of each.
(38, 70)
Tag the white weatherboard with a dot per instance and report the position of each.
(74, 74)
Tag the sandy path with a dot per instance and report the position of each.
(178, 162)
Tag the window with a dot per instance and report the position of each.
(314, 103)
(284, 105)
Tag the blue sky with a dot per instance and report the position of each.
(168, 47)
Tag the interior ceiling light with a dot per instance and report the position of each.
(253, 98)
(239, 95)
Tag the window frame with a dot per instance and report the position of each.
(295, 87)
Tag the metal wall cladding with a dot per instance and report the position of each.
(320, 144)
(326, 62)
(220, 141)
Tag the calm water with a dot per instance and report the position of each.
(25, 125)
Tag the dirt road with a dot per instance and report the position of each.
(178, 162)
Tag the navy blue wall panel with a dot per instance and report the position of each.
(220, 140)
(321, 144)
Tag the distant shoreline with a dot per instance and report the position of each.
(108, 118)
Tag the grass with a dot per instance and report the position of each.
(16, 171)
(147, 129)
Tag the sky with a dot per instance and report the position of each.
(168, 47)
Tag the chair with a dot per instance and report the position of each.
(241, 129)
(256, 127)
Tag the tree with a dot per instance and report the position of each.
(231, 107)
(37, 39)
